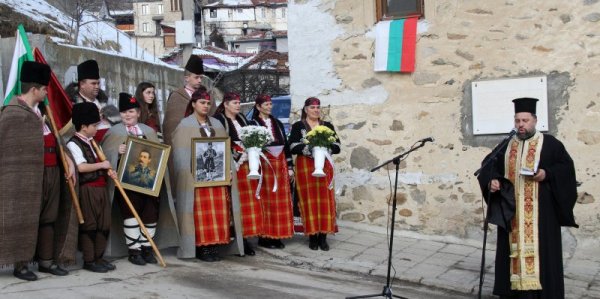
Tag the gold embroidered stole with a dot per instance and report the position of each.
(524, 238)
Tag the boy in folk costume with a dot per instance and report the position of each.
(31, 199)
(93, 195)
(146, 206)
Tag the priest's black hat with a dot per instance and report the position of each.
(85, 113)
(88, 70)
(195, 65)
(126, 102)
(35, 72)
(525, 105)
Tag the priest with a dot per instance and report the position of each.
(529, 250)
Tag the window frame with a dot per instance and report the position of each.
(160, 9)
(381, 10)
(144, 10)
(212, 12)
(145, 27)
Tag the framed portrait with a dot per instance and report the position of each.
(142, 167)
(211, 158)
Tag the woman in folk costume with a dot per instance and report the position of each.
(203, 213)
(228, 113)
(146, 96)
(277, 206)
(316, 198)
(155, 212)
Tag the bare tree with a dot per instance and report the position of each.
(77, 9)
(250, 82)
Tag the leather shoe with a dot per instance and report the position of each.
(323, 242)
(248, 249)
(266, 243)
(313, 242)
(95, 267)
(148, 255)
(204, 254)
(25, 274)
(54, 269)
(137, 259)
(109, 266)
(278, 244)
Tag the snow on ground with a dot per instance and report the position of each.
(94, 34)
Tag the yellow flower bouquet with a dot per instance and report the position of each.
(321, 136)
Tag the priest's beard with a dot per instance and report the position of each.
(527, 134)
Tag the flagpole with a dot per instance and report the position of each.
(102, 158)
(61, 152)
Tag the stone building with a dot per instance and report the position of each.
(235, 19)
(380, 114)
(154, 25)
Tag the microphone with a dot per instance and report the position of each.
(428, 139)
(512, 132)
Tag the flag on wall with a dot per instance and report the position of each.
(21, 54)
(57, 98)
(395, 43)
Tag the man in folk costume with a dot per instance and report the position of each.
(228, 113)
(93, 194)
(157, 213)
(88, 90)
(31, 201)
(203, 213)
(179, 99)
(529, 253)
(277, 206)
(316, 196)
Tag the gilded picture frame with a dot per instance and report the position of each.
(142, 167)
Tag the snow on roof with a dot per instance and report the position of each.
(231, 3)
(121, 12)
(222, 60)
(94, 30)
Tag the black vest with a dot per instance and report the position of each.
(86, 177)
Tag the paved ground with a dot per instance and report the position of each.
(423, 267)
(428, 261)
(261, 276)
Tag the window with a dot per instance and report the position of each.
(144, 9)
(213, 13)
(169, 41)
(160, 9)
(398, 9)
(263, 12)
(146, 27)
(174, 5)
(230, 13)
(283, 13)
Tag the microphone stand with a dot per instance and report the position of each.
(387, 290)
(491, 159)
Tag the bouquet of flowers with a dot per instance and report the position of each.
(255, 136)
(320, 136)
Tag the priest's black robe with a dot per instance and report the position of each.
(557, 197)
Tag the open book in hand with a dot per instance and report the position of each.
(526, 171)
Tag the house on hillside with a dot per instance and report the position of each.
(242, 19)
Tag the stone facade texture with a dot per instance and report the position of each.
(378, 115)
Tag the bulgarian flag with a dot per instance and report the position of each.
(395, 43)
(22, 53)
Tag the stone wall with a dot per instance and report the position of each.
(119, 74)
(378, 115)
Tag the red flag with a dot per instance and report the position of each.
(58, 100)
